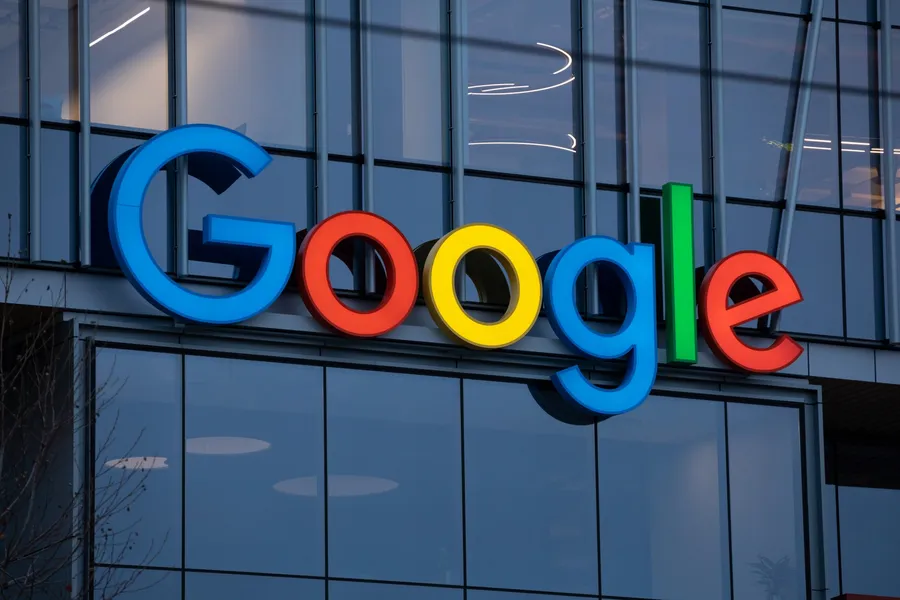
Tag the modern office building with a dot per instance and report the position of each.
(275, 458)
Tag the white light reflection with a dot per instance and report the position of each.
(138, 463)
(120, 27)
(574, 141)
(501, 89)
(534, 91)
(554, 147)
(561, 51)
(815, 148)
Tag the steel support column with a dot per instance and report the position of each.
(718, 125)
(458, 121)
(83, 252)
(321, 103)
(588, 151)
(180, 117)
(888, 173)
(32, 224)
(632, 125)
(368, 129)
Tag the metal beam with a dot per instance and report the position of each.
(33, 51)
(458, 122)
(792, 185)
(588, 150)
(632, 124)
(718, 124)
(83, 253)
(321, 103)
(368, 130)
(180, 106)
(888, 174)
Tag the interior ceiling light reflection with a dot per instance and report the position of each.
(120, 27)
(225, 445)
(825, 144)
(512, 89)
(339, 486)
(138, 463)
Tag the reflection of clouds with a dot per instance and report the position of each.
(504, 89)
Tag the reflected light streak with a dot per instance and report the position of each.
(534, 91)
(815, 148)
(554, 147)
(509, 87)
(487, 85)
(120, 27)
(561, 51)
(574, 141)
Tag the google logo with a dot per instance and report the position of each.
(530, 290)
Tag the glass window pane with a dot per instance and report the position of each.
(530, 494)
(521, 92)
(832, 560)
(409, 98)
(130, 64)
(858, 10)
(864, 278)
(138, 458)
(342, 81)
(343, 194)
(663, 501)
(860, 162)
(12, 174)
(346, 590)
(788, 6)
(59, 69)
(752, 228)
(394, 509)
(612, 215)
(490, 595)
(762, 56)
(414, 201)
(205, 586)
(280, 193)
(672, 95)
(136, 584)
(254, 446)
(59, 193)
(870, 540)
(12, 62)
(607, 93)
(815, 261)
(247, 69)
(105, 149)
(765, 476)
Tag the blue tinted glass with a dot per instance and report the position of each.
(104, 150)
(387, 453)
(530, 499)
(138, 458)
(663, 501)
(58, 77)
(280, 193)
(409, 98)
(59, 180)
(12, 42)
(859, 10)
(870, 540)
(752, 228)
(12, 171)
(761, 57)
(343, 195)
(247, 68)
(815, 261)
(765, 476)
(345, 590)
(521, 87)
(342, 84)
(612, 215)
(130, 64)
(832, 560)
(136, 584)
(206, 586)
(863, 277)
(860, 132)
(487, 595)
(607, 96)
(788, 6)
(254, 446)
(672, 94)
(414, 201)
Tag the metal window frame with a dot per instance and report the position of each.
(32, 223)
(321, 110)
(83, 240)
(457, 10)
(718, 127)
(588, 150)
(367, 120)
(888, 173)
(179, 117)
(632, 122)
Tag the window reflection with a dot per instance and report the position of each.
(870, 540)
(136, 584)
(12, 169)
(787, 6)
(204, 586)
(530, 494)
(663, 503)
(129, 64)
(863, 277)
(413, 201)
(762, 55)
(395, 479)
(408, 98)
(767, 530)
(861, 142)
(247, 68)
(859, 10)
(672, 95)
(254, 446)
(608, 87)
(342, 84)
(137, 500)
(59, 69)
(59, 178)
(346, 590)
(521, 87)
(343, 194)
(830, 535)
(12, 42)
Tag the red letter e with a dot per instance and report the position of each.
(719, 319)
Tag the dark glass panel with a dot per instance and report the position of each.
(12, 60)
(343, 79)
(530, 494)
(59, 194)
(137, 499)
(343, 195)
(346, 590)
(788, 6)
(870, 540)
(59, 67)
(136, 584)
(12, 200)
(608, 93)
(206, 586)
(864, 277)
(254, 445)
(414, 201)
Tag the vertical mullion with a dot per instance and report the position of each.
(178, 118)
(888, 177)
(589, 189)
(84, 137)
(32, 225)
(321, 121)
(632, 124)
(718, 124)
(368, 132)
(458, 122)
